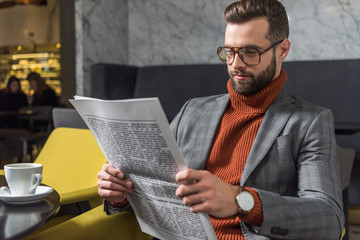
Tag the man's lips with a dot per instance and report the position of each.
(240, 77)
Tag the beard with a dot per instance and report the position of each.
(257, 82)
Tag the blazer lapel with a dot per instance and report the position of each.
(207, 128)
(274, 120)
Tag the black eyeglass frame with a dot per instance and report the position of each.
(240, 56)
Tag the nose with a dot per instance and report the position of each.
(238, 63)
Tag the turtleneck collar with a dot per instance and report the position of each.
(260, 101)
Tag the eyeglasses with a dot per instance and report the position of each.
(249, 55)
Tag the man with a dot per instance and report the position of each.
(260, 162)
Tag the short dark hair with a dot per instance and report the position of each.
(246, 10)
(34, 75)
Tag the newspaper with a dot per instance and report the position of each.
(135, 137)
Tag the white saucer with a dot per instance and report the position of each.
(40, 193)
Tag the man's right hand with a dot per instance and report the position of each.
(112, 184)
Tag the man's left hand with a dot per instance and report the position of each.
(204, 192)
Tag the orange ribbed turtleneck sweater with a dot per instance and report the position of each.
(232, 143)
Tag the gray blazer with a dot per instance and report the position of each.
(292, 164)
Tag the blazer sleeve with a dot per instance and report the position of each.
(316, 212)
(110, 210)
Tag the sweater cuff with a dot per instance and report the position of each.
(109, 209)
(255, 217)
(121, 204)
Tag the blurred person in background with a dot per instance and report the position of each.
(12, 98)
(43, 94)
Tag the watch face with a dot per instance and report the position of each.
(245, 201)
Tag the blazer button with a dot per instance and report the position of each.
(275, 230)
(279, 231)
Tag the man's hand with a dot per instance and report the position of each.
(112, 184)
(204, 192)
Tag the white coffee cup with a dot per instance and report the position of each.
(23, 178)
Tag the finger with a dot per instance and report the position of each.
(188, 182)
(106, 193)
(102, 176)
(113, 171)
(192, 199)
(189, 189)
(189, 175)
(199, 207)
(109, 173)
(198, 202)
(195, 187)
(112, 196)
(123, 186)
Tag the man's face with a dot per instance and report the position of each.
(247, 80)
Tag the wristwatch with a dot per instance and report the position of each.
(245, 201)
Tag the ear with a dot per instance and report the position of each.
(284, 49)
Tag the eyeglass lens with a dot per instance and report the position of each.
(248, 55)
